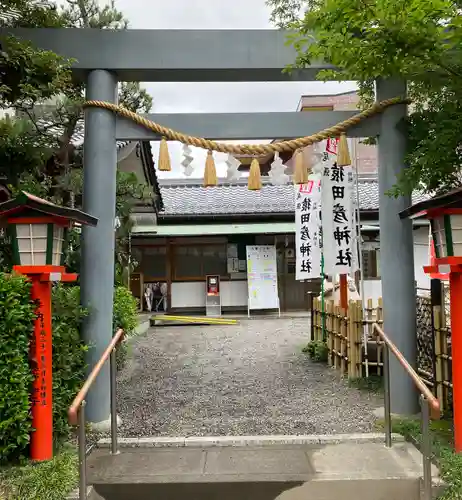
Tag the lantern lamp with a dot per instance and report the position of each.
(38, 230)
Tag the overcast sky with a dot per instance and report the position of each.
(215, 97)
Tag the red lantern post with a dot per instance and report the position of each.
(38, 233)
(445, 215)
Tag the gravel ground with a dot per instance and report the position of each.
(247, 379)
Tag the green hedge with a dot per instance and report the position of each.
(16, 323)
(126, 317)
(68, 353)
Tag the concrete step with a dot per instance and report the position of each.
(256, 468)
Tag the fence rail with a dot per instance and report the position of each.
(345, 333)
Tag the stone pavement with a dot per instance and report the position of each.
(323, 470)
(245, 379)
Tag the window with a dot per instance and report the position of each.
(371, 264)
(191, 262)
(152, 261)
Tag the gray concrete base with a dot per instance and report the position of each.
(260, 468)
(104, 426)
(207, 441)
(143, 325)
(74, 495)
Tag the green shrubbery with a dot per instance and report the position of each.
(68, 353)
(16, 323)
(126, 317)
(317, 350)
(16, 326)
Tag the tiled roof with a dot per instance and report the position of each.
(186, 198)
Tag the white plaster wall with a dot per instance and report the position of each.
(421, 256)
(373, 288)
(192, 294)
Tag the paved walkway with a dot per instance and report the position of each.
(245, 379)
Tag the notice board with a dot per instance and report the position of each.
(262, 277)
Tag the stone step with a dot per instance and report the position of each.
(309, 468)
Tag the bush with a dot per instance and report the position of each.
(68, 353)
(17, 313)
(69, 369)
(317, 350)
(125, 316)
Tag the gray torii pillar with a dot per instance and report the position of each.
(396, 250)
(99, 199)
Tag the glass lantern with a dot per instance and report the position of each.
(38, 244)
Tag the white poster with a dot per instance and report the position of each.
(308, 232)
(338, 219)
(262, 277)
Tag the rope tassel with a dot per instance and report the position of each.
(254, 176)
(343, 153)
(164, 157)
(300, 168)
(210, 173)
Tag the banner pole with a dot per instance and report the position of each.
(322, 300)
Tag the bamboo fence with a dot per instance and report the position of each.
(344, 334)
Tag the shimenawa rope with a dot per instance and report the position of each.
(252, 149)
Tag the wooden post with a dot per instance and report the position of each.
(336, 338)
(169, 274)
(343, 292)
(455, 284)
(330, 344)
(359, 337)
(318, 326)
(439, 372)
(351, 342)
(379, 321)
(314, 319)
(343, 340)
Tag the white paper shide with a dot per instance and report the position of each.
(308, 236)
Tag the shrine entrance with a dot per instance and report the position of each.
(103, 58)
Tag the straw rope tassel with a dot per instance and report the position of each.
(343, 153)
(254, 183)
(210, 173)
(300, 169)
(164, 157)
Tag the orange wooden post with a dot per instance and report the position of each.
(40, 355)
(455, 284)
(41, 443)
(343, 292)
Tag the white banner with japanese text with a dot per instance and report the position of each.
(338, 219)
(308, 231)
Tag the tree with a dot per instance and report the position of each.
(419, 40)
(36, 147)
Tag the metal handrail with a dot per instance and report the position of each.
(427, 400)
(76, 412)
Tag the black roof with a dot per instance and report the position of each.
(28, 201)
(452, 198)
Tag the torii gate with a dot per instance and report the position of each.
(105, 57)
